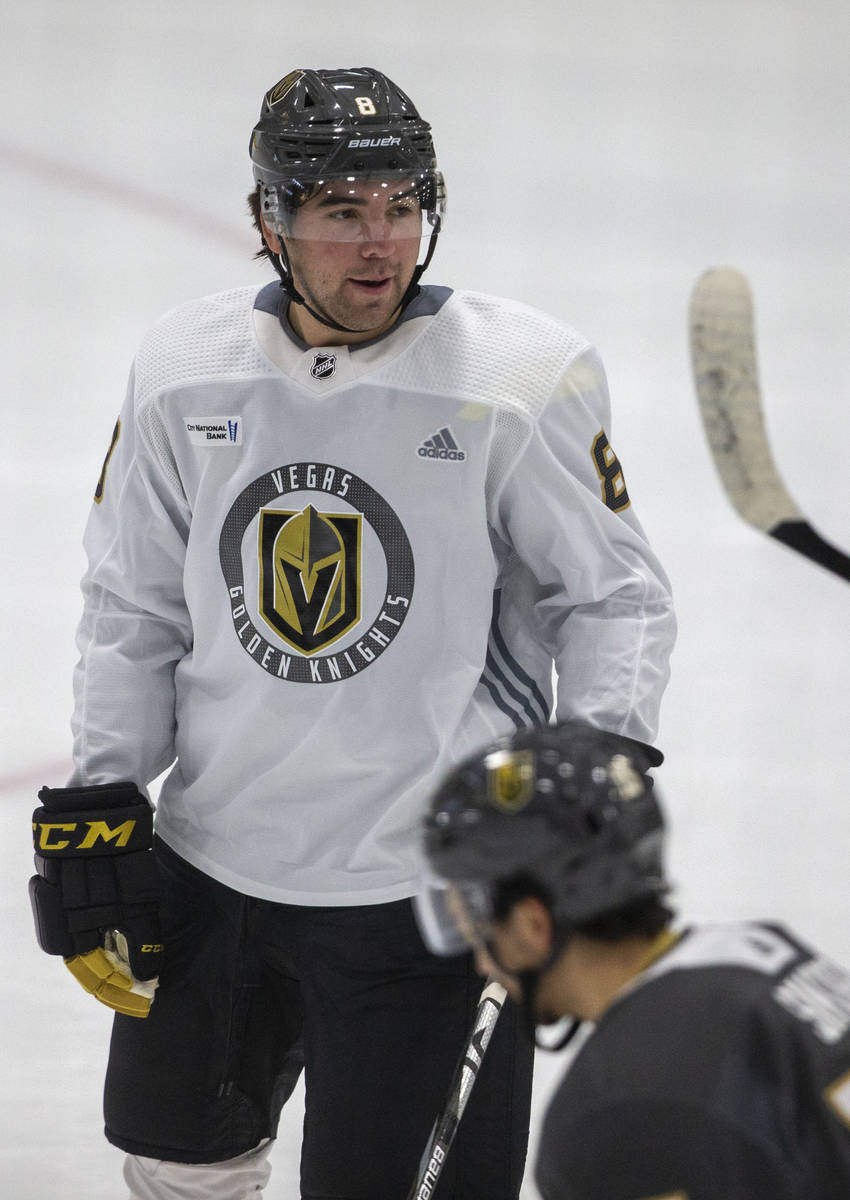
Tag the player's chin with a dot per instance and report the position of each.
(367, 309)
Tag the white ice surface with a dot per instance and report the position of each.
(599, 156)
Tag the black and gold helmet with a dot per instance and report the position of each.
(568, 808)
(317, 126)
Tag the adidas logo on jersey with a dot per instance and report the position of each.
(443, 446)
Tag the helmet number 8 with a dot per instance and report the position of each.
(366, 106)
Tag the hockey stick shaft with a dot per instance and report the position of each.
(466, 1072)
(723, 354)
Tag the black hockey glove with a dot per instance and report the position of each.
(96, 895)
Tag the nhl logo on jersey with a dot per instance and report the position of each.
(323, 366)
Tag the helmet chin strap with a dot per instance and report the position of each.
(284, 270)
(281, 262)
(529, 982)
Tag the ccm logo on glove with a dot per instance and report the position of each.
(96, 895)
(46, 835)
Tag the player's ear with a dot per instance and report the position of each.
(531, 926)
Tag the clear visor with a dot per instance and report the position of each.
(348, 208)
(453, 917)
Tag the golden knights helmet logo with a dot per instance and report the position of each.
(510, 779)
(309, 575)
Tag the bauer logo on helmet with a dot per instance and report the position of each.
(369, 143)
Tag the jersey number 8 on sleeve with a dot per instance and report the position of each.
(610, 473)
(98, 491)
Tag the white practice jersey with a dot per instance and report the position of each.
(321, 576)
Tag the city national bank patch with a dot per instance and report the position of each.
(214, 431)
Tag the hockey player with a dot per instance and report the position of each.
(346, 526)
(718, 1065)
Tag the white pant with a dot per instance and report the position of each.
(241, 1178)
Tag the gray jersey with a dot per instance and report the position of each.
(724, 1074)
(320, 576)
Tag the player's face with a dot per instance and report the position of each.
(522, 942)
(504, 955)
(352, 251)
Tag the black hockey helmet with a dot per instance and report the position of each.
(569, 808)
(334, 124)
(320, 127)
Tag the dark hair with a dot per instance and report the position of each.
(645, 917)
(254, 209)
(509, 891)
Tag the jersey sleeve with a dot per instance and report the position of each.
(135, 628)
(646, 1149)
(603, 604)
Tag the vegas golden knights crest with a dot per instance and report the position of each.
(310, 581)
(311, 573)
(510, 779)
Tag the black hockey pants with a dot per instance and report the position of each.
(251, 992)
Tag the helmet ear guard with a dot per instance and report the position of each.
(278, 204)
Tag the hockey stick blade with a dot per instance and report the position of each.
(723, 356)
(466, 1072)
